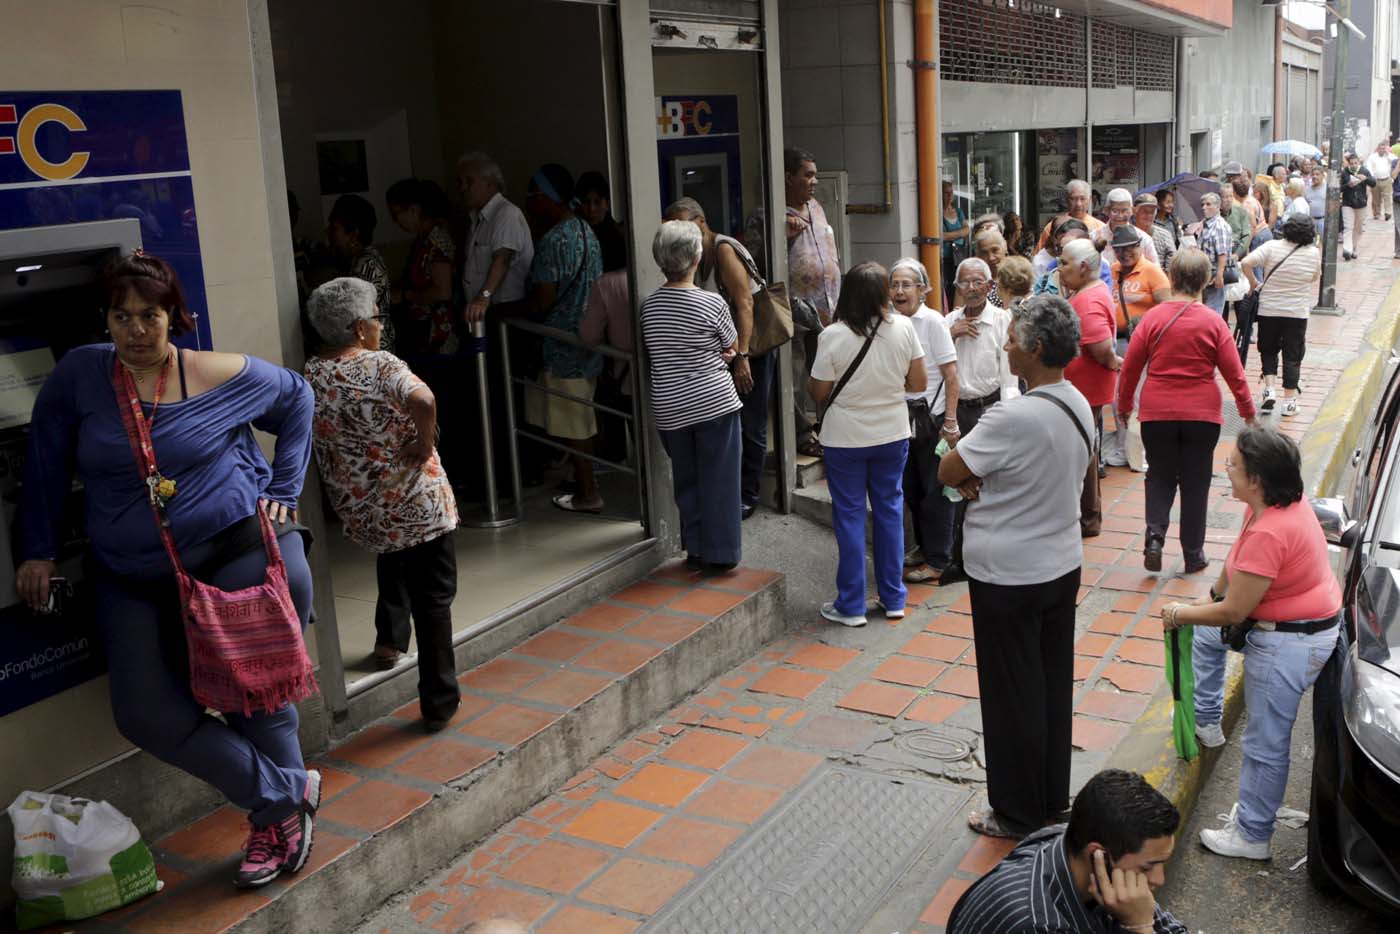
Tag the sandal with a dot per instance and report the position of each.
(990, 824)
(569, 503)
(922, 574)
(810, 448)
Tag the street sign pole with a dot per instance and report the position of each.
(1327, 293)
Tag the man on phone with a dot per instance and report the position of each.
(1095, 874)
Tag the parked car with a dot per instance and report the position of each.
(1354, 829)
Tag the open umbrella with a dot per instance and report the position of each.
(1290, 147)
(1183, 681)
(1189, 189)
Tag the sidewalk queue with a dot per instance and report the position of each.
(976, 400)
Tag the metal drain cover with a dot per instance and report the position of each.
(823, 862)
(933, 744)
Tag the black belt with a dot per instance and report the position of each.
(989, 399)
(1305, 626)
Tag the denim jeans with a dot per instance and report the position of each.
(753, 421)
(1208, 664)
(705, 468)
(1278, 668)
(852, 475)
(1214, 298)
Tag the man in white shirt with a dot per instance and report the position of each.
(1120, 214)
(1378, 164)
(499, 247)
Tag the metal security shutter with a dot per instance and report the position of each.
(1032, 44)
(739, 12)
(1154, 61)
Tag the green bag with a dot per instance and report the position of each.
(1182, 679)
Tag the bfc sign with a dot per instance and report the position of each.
(687, 117)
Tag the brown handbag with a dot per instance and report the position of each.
(772, 313)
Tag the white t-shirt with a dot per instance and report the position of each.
(1378, 165)
(1023, 528)
(938, 351)
(870, 410)
(1291, 290)
(1300, 207)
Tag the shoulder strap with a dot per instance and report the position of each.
(582, 265)
(855, 365)
(1069, 414)
(1273, 270)
(743, 257)
(1147, 368)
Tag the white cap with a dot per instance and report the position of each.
(1119, 194)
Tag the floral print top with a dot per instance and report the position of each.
(360, 427)
(430, 325)
(814, 272)
(370, 267)
(569, 257)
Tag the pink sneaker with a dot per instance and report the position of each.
(264, 857)
(295, 831)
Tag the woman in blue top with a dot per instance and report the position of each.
(202, 432)
(955, 232)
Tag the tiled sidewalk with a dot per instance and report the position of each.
(647, 821)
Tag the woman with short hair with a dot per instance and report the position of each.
(1176, 350)
(1022, 469)
(1284, 274)
(1278, 586)
(876, 358)
(1015, 279)
(690, 338)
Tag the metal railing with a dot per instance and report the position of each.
(516, 433)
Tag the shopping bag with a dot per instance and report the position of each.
(1133, 449)
(75, 858)
(1182, 678)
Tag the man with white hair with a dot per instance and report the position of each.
(1378, 164)
(1120, 214)
(1095, 371)
(1078, 197)
(499, 247)
(1217, 241)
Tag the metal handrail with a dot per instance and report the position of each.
(568, 337)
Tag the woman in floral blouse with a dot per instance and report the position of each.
(373, 435)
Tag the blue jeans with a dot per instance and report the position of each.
(753, 418)
(254, 761)
(1208, 665)
(852, 475)
(705, 474)
(1214, 298)
(1278, 668)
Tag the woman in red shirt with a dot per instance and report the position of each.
(1278, 578)
(1180, 344)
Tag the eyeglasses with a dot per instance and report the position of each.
(381, 318)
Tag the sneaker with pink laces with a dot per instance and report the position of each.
(295, 831)
(264, 857)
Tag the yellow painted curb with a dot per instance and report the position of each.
(1326, 450)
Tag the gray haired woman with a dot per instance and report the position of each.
(373, 434)
(1022, 467)
(690, 338)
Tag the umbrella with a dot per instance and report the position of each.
(1183, 681)
(1188, 188)
(1290, 147)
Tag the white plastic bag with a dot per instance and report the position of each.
(1135, 453)
(75, 858)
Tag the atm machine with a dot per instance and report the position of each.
(50, 302)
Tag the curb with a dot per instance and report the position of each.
(1326, 449)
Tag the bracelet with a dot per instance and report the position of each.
(1145, 926)
(951, 428)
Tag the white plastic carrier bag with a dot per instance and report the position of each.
(75, 858)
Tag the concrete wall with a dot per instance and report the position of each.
(1231, 85)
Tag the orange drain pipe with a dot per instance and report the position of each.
(925, 67)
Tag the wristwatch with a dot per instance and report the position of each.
(484, 293)
(741, 353)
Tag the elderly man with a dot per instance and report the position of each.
(1355, 180)
(1378, 164)
(1237, 217)
(814, 276)
(1120, 217)
(499, 248)
(990, 247)
(1217, 241)
(1145, 220)
(1094, 373)
(1078, 197)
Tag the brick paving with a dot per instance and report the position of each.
(662, 808)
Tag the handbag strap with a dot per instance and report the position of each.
(1069, 414)
(855, 365)
(1147, 368)
(744, 256)
(1275, 267)
(138, 434)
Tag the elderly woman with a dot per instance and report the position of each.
(690, 339)
(933, 417)
(202, 408)
(1175, 351)
(867, 361)
(1022, 468)
(1287, 290)
(1015, 279)
(374, 429)
(990, 247)
(1278, 588)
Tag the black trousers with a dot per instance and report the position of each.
(1180, 455)
(420, 582)
(1024, 635)
(923, 494)
(1288, 334)
(969, 414)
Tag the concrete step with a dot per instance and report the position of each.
(399, 804)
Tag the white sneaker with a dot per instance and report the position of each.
(1267, 405)
(1290, 406)
(1227, 841)
(829, 612)
(1210, 735)
(914, 558)
(889, 614)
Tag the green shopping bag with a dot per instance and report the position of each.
(1183, 681)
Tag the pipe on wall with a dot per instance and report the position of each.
(1280, 106)
(926, 132)
(878, 208)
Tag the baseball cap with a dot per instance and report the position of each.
(1126, 236)
(1145, 197)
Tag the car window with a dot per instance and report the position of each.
(1383, 527)
(1377, 447)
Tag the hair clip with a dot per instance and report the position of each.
(138, 253)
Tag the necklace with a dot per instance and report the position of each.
(140, 373)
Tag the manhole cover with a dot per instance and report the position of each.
(822, 863)
(935, 745)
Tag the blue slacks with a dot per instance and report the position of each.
(753, 419)
(852, 475)
(254, 761)
(705, 464)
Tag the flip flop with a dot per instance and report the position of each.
(565, 501)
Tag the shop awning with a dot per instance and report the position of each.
(1166, 17)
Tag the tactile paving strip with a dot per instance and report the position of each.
(824, 862)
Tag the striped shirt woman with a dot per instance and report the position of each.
(686, 331)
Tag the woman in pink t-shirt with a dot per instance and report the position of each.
(1278, 577)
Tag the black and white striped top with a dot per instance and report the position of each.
(1032, 891)
(685, 332)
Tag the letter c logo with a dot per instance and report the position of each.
(702, 128)
(29, 152)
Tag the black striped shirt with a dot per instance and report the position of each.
(685, 332)
(1032, 891)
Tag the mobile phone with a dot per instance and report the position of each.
(57, 587)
